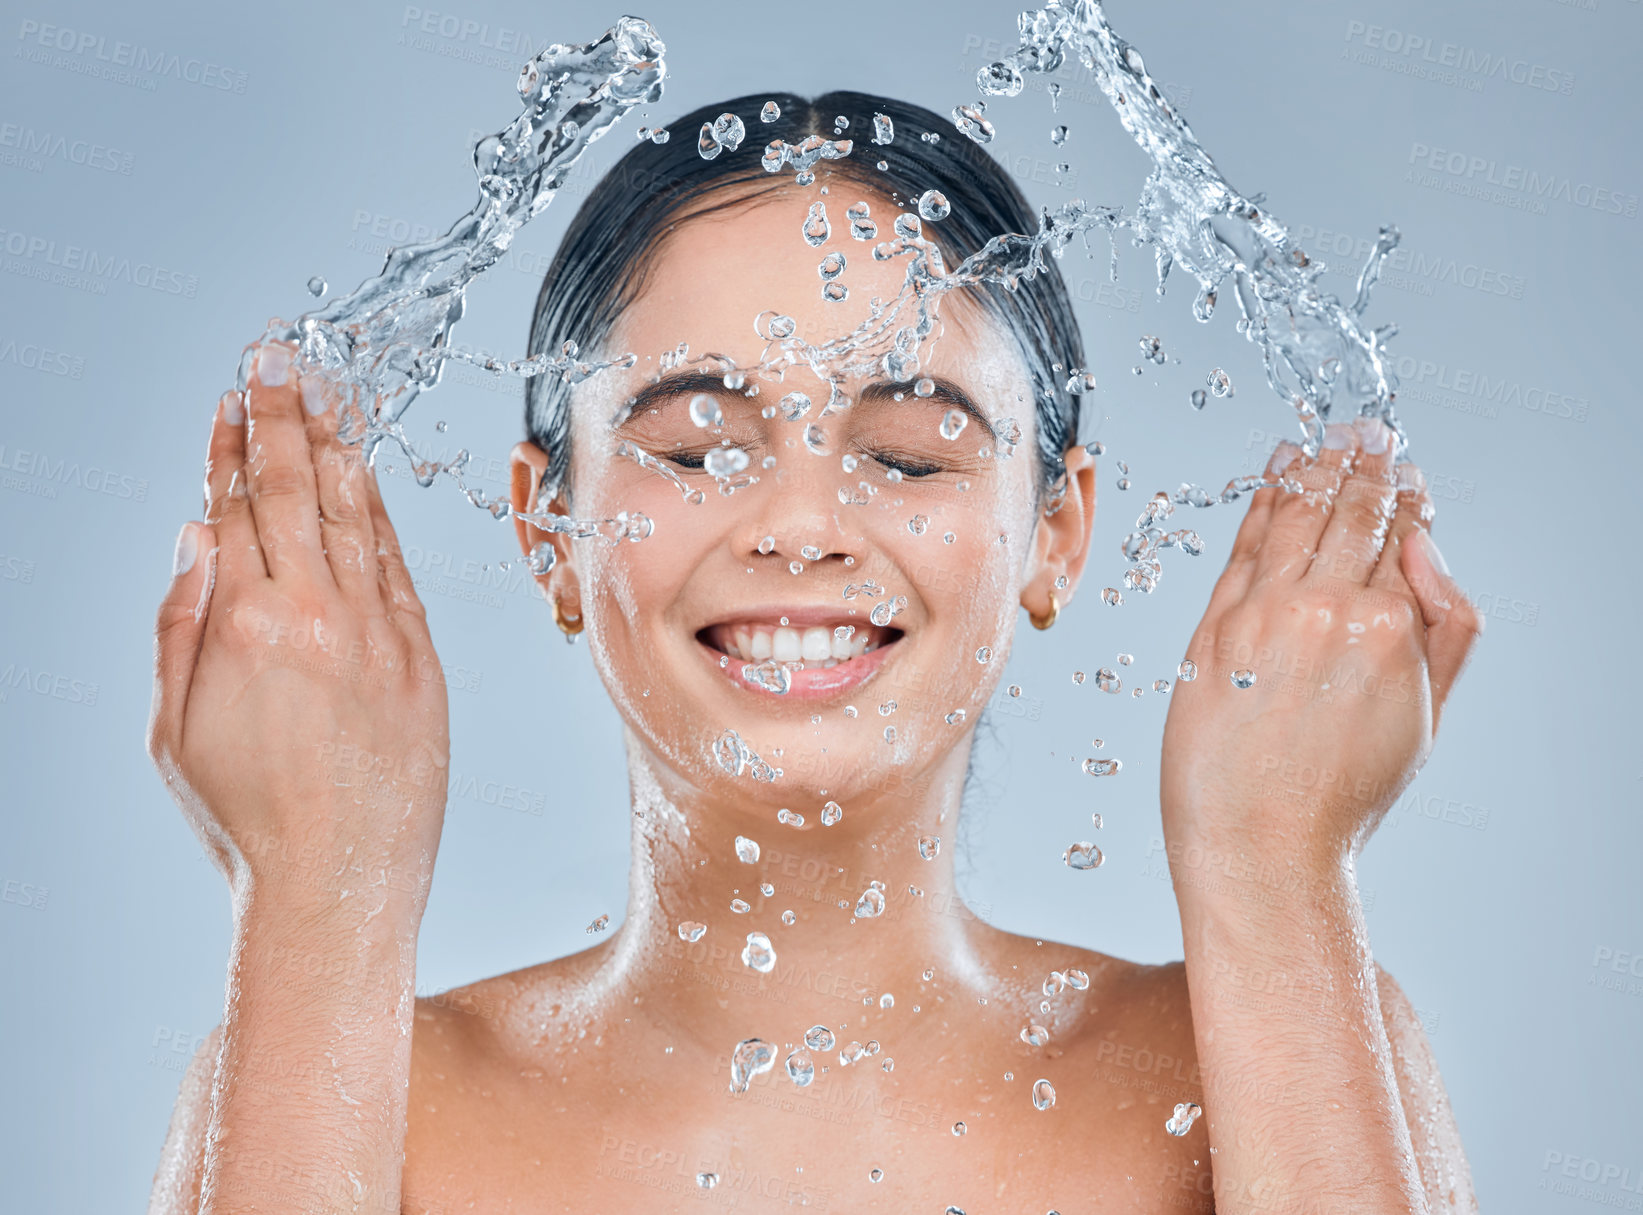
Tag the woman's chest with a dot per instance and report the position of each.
(618, 1142)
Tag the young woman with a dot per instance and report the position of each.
(875, 559)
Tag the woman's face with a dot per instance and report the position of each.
(937, 526)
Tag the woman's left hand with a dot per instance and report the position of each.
(1338, 603)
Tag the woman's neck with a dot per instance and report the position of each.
(835, 958)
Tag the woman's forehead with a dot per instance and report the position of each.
(711, 276)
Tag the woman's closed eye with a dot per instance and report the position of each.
(906, 465)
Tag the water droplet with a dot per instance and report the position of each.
(816, 227)
(887, 708)
(691, 931)
(835, 293)
(907, 226)
(1243, 678)
(739, 906)
(660, 135)
(1035, 1035)
(1199, 400)
(1161, 686)
(541, 558)
(1107, 680)
(999, 79)
(953, 424)
(1112, 597)
(831, 813)
(791, 818)
(1220, 384)
(1102, 767)
(769, 112)
(758, 954)
(1083, 855)
(949, 537)
(722, 462)
(747, 851)
(600, 924)
(810, 552)
(958, 1129)
(1014, 690)
(917, 524)
(1080, 382)
(889, 734)
(1053, 983)
(752, 1057)
(933, 205)
(887, 1001)
(1186, 1113)
(704, 410)
(831, 266)
(878, 1174)
(1187, 671)
(929, 846)
(818, 1037)
(1043, 1094)
(924, 387)
(317, 286)
(883, 129)
(984, 654)
(707, 1180)
(789, 918)
(870, 904)
(1125, 660)
(815, 440)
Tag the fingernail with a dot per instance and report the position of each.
(313, 394)
(1410, 478)
(233, 409)
(1373, 434)
(1282, 456)
(1337, 436)
(1433, 555)
(273, 365)
(188, 548)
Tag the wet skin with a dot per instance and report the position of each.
(601, 1081)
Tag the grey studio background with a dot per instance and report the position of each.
(252, 148)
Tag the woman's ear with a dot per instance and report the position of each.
(1062, 543)
(528, 465)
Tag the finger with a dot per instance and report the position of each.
(1362, 514)
(177, 632)
(1452, 623)
(1415, 510)
(1246, 545)
(346, 535)
(1298, 519)
(284, 501)
(227, 509)
(394, 585)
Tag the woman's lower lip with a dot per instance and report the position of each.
(816, 684)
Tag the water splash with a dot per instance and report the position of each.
(384, 343)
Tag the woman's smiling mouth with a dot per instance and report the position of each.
(793, 653)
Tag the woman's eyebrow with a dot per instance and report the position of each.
(945, 391)
(681, 383)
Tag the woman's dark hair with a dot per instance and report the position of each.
(601, 263)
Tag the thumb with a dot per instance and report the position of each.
(1452, 623)
(177, 633)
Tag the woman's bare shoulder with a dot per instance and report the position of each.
(518, 1011)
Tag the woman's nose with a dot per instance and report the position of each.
(795, 515)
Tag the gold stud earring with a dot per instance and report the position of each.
(1048, 618)
(569, 626)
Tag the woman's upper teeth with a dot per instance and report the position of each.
(782, 643)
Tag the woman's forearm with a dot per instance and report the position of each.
(309, 1098)
(1300, 1097)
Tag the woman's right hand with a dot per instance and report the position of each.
(299, 714)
